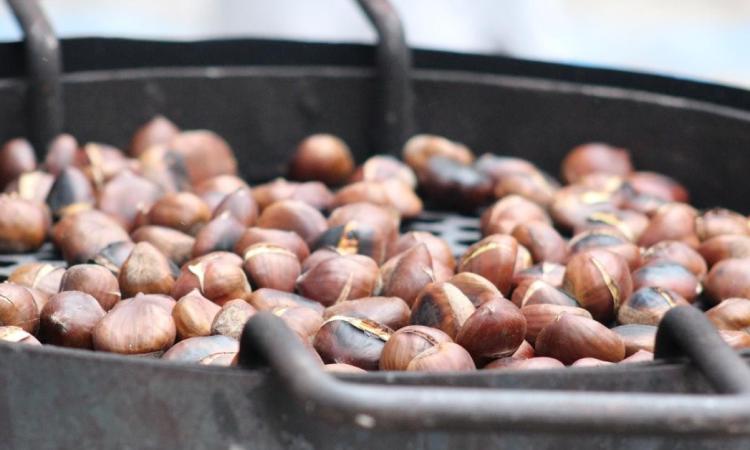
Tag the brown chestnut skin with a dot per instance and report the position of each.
(648, 305)
(494, 258)
(671, 222)
(680, 253)
(125, 195)
(658, 185)
(33, 186)
(391, 193)
(524, 351)
(38, 275)
(271, 266)
(241, 205)
(475, 287)
(540, 315)
(69, 318)
(383, 168)
(18, 308)
(70, 190)
(591, 362)
(600, 281)
(608, 239)
(549, 272)
(231, 318)
(61, 153)
(322, 157)
(314, 193)
(113, 256)
(543, 241)
(535, 363)
(385, 221)
(220, 234)
(182, 211)
(534, 292)
(193, 315)
(595, 157)
(452, 184)
(287, 239)
(523, 261)
(572, 337)
(293, 215)
(300, 319)
(354, 238)
(342, 368)
(505, 214)
(731, 314)
(637, 337)
(215, 189)
(573, 205)
(82, 235)
(408, 342)
(723, 247)
(158, 130)
(535, 186)
(205, 153)
(142, 325)
(218, 279)
(639, 356)
(94, 280)
(265, 299)
(497, 167)
(164, 167)
(442, 306)
(16, 157)
(670, 276)
(412, 272)
(419, 149)
(174, 244)
(17, 335)
(392, 312)
(343, 277)
(738, 340)
(199, 348)
(23, 225)
(350, 340)
(497, 328)
(443, 357)
(631, 224)
(719, 221)
(145, 271)
(439, 249)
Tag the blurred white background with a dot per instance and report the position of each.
(699, 39)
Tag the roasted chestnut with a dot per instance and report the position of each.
(475, 287)
(648, 305)
(498, 167)
(158, 130)
(392, 193)
(549, 272)
(193, 315)
(543, 242)
(174, 244)
(573, 205)
(182, 211)
(18, 308)
(738, 340)
(668, 275)
(241, 205)
(214, 190)
(631, 224)
(439, 249)
(720, 221)
(535, 186)
(17, 335)
(731, 314)
(220, 234)
(535, 292)
(392, 312)
(16, 157)
(411, 273)
(671, 222)
(540, 315)
(200, 349)
(494, 258)
(322, 157)
(342, 368)
(267, 299)
(82, 235)
(595, 157)
(725, 247)
(408, 342)
(534, 363)
(639, 356)
(608, 239)
(600, 281)
(145, 271)
(23, 224)
(93, 280)
(351, 340)
(293, 215)
(300, 319)
(71, 190)
(287, 239)
(657, 185)
(69, 318)
(637, 337)
(271, 266)
(591, 362)
(231, 318)
(216, 277)
(342, 277)
(125, 195)
(384, 221)
(205, 153)
(354, 238)
(38, 275)
(113, 256)
(443, 357)
(453, 184)
(314, 193)
(420, 149)
(383, 168)
(571, 337)
(505, 214)
(33, 186)
(728, 278)
(679, 253)
(495, 329)
(442, 306)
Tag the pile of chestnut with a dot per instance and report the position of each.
(169, 253)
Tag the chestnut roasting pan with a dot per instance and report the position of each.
(263, 97)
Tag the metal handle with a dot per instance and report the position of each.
(44, 65)
(266, 340)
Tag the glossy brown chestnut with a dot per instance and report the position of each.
(70, 190)
(17, 335)
(343, 277)
(287, 239)
(205, 153)
(549, 272)
(145, 271)
(392, 194)
(648, 305)
(174, 244)
(322, 157)
(16, 157)
(600, 281)
(475, 287)
(639, 356)
(293, 215)
(385, 221)
(198, 349)
(300, 319)
(439, 249)
(82, 235)
(637, 337)
(535, 292)
(33, 186)
(573, 205)
(271, 266)
(728, 278)
(523, 261)
(408, 342)
(18, 308)
(384, 167)
(354, 238)
(23, 224)
(671, 222)
(631, 224)
(535, 186)
(595, 157)
(113, 256)
(220, 234)
(125, 195)
(342, 368)
(38, 275)
(142, 325)
(420, 149)
(314, 193)
(572, 337)
(543, 242)
(241, 205)
(164, 167)
(411, 273)
(455, 185)
(350, 340)
(218, 279)
(231, 318)
(193, 315)
(69, 318)
(93, 280)
(443, 357)
(591, 362)
(392, 312)
(494, 258)
(719, 221)
(442, 306)
(679, 253)
(540, 315)
(496, 329)
(668, 275)
(61, 153)
(657, 185)
(524, 351)
(505, 214)
(182, 211)
(608, 239)
(725, 247)
(738, 340)
(215, 189)
(535, 363)
(498, 167)
(267, 299)
(731, 314)
(159, 130)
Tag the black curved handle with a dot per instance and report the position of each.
(266, 340)
(44, 65)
